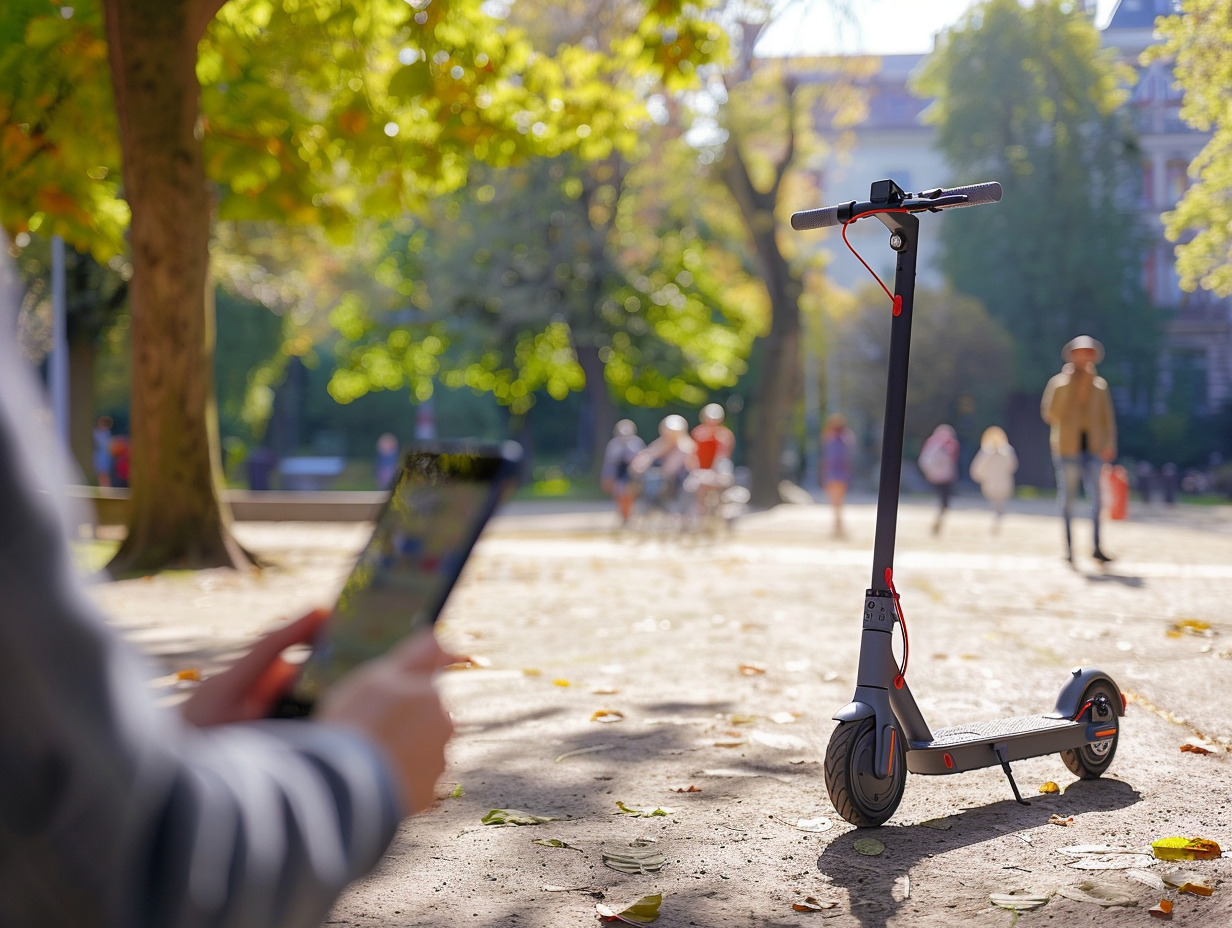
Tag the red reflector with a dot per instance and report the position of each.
(949, 761)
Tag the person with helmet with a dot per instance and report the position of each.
(713, 474)
(614, 476)
(664, 464)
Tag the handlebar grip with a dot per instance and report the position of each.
(976, 194)
(815, 218)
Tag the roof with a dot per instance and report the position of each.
(1140, 14)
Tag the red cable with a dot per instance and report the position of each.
(902, 620)
(896, 300)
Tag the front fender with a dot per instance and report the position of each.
(1069, 702)
(854, 711)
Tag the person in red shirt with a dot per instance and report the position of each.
(715, 441)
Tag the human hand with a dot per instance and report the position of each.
(248, 688)
(392, 700)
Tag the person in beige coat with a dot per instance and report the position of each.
(1077, 405)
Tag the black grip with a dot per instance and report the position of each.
(815, 218)
(976, 194)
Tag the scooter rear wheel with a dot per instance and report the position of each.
(1091, 760)
(860, 796)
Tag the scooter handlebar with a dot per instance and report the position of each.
(938, 199)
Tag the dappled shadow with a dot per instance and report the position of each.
(1104, 576)
(869, 881)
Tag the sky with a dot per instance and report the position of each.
(882, 27)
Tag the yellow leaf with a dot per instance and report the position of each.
(189, 675)
(560, 681)
(607, 715)
(1049, 787)
(1185, 849)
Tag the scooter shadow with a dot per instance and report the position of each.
(1104, 576)
(869, 881)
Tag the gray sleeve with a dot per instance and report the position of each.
(114, 812)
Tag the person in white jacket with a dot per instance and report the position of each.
(993, 468)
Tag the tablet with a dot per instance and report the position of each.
(443, 496)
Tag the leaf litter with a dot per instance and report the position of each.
(642, 912)
(516, 817)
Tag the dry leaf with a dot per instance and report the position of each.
(945, 823)
(561, 681)
(642, 912)
(901, 890)
(752, 670)
(607, 715)
(686, 789)
(590, 750)
(1060, 820)
(1049, 787)
(1149, 877)
(1185, 849)
(641, 813)
(188, 675)
(605, 691)
(1191, 748)
(470, 662)
(778, 741)
(1163, 910)
(813, 904)
(1190, 881)
(555, 842)
(1019, 900)
(589, 890)
(515, 817)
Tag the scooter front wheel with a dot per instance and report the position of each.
(1091, 760)
(858, 794)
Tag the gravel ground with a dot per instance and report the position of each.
(718, 663)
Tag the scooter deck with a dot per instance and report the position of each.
(970, 747)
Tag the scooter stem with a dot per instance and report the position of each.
(904, 239)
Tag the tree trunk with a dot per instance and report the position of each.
(603, 412)
(177, 517)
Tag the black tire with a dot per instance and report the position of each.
(1091, 760)
(860, 797)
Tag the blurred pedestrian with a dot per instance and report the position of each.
(101, 458)
(385, 463)
(939, 464)
(993, 468)
(664, 464)
(1077, 405)
(713, 471)
(120, 447)
(614, 476)
(837, 461)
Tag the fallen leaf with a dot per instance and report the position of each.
(515, 817)
(456, 792)
(641, 813)
(869, 847)
(730, 743)
(561, 681)
(742, 719)
(607, 715)
(605, 691)
(1148, 877)
(783, 718)
(780, 742)
(590, 750)
(1106, 857)
(1191, 627)
(1191, 748)
(1185, 849)
(813, 824)
(555, 842)
(640, 856)
(1049, 787)
(813, 904)
(589, 890)
(1019, 900)
(188, 675)
(1060, 820)
(945, 823)
(752, 670)
(642, 912)
(532, 672)
(1163, 910)
(901, 890)
(1189, 881)
(1097, 893)
(687, 789)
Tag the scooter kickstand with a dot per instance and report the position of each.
(1003, 755)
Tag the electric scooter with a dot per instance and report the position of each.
(881, 734)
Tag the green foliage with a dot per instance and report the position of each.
(1026, 96)
(1198, 40)
(59, 153)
